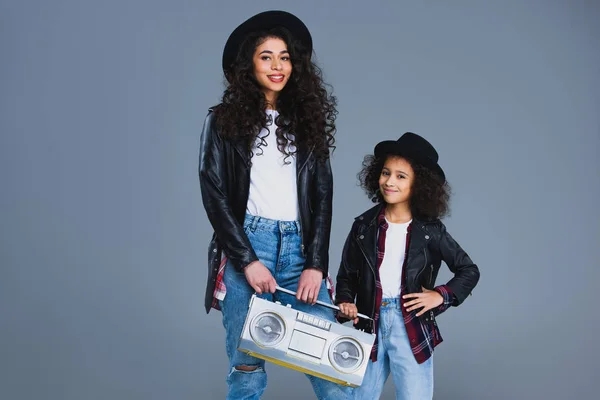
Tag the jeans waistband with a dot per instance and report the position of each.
(391, 302)
(272, 225)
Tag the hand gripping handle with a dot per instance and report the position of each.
(333, 307)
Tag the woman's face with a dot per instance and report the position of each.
(396, 180)
(272, 67)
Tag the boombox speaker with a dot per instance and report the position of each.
(301, 341)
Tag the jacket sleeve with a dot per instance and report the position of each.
(347, 276)
(212, 172)
(317, 254)
(466, 273)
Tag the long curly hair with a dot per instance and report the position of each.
(430, 196)
(306, 110)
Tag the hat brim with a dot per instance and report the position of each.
(391, 148)
(263, 21)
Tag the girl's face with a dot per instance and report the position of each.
(396, 180)
(272, 67)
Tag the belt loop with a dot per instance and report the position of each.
(254, 223)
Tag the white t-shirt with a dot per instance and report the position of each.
(390, 271)
(273, 192)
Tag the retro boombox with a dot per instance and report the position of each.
(306, 343)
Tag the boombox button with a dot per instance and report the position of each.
(288, 305)
(278, 302)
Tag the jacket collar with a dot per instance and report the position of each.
(419, 228)
(370, 217)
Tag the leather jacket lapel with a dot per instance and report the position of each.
(241, 148)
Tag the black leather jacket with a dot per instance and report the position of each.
(224, 170)
(429, 245)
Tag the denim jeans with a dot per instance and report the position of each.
(277, 245)
(412, 381)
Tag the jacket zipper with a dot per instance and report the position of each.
(309, 205)
(431, 275)
(431, 316)
(424, 266)
(431, 313)
(372, 270)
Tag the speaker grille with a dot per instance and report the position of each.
(267, 329)
(346, 355)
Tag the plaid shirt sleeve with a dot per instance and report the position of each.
(448, 297)
(220, 289)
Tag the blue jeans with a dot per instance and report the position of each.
(277, 245)
(413, 381)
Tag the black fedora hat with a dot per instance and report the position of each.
(413, 147)
(262, 21)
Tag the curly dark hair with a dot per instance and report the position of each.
(430, 198)
(305, 107)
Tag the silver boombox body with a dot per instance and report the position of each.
(301, 341)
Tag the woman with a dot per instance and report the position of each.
(266, 185)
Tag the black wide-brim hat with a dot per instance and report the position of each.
(264, 21)
(413, 147)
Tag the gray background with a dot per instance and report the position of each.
(103, 235)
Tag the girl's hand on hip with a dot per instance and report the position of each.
(425, 301)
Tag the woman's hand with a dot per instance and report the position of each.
(349, 311)
(309, 285)
(426, 301)
(260, 278)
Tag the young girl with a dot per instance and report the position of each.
(266, 185)
(390, 263)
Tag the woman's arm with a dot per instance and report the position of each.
(317, 254)
(212, 172)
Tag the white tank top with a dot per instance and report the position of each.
(390, 271)
(273, 190)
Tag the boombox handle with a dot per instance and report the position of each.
(333, 307)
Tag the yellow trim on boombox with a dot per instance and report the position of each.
(295, 367)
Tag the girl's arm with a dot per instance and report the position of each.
(466, 273)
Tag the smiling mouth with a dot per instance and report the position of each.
(275, 78)
(389, 191)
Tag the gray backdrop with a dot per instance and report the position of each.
(104, 237)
